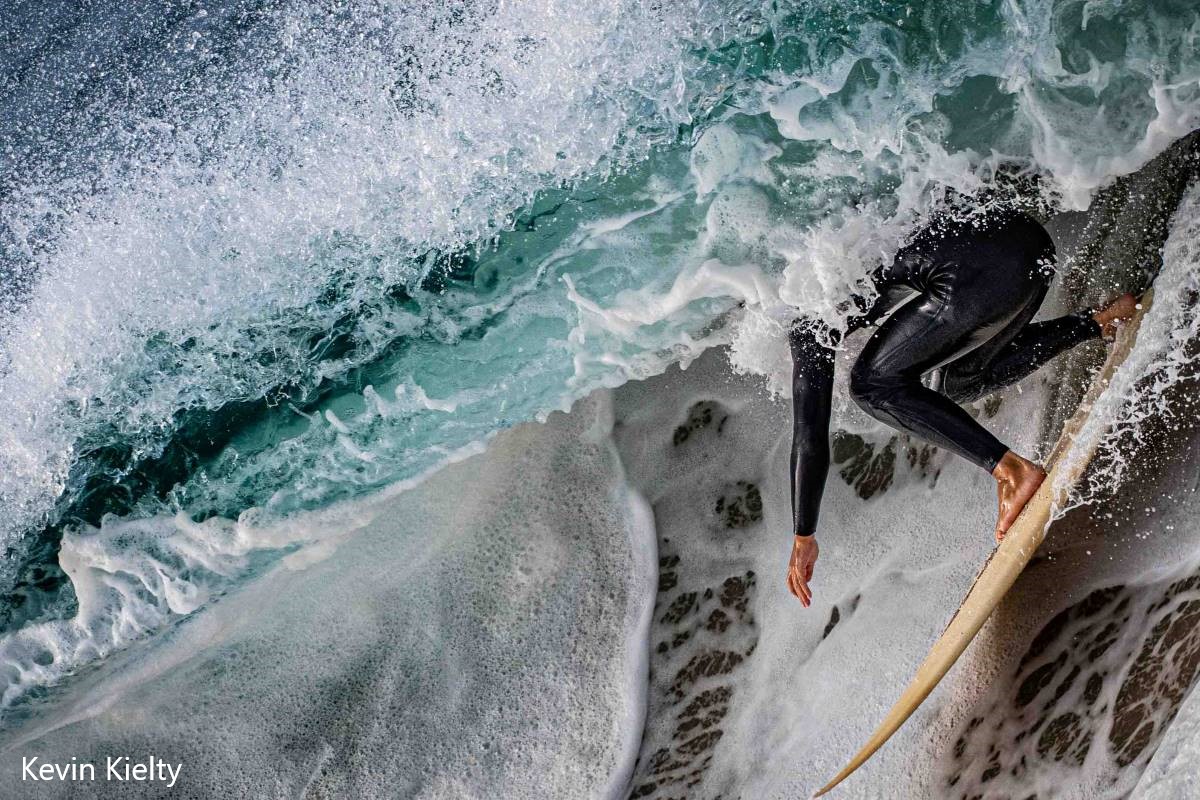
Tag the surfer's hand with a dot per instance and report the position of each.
(800, 568)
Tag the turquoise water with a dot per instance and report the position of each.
(273, 257)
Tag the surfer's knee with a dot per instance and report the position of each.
(963, 387)
(869, 388)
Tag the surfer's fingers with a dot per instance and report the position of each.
(797, 588)
(802, 591)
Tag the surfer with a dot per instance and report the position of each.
(974, 287)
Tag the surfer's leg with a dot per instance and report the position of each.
(969, 310)
(980, 373)
(886, 379)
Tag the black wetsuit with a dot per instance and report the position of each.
(975, 286)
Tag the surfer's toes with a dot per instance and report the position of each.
(1017, 480)
(1122, 308)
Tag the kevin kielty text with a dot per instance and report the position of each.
(118, 768)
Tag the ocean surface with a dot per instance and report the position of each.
(263, 262)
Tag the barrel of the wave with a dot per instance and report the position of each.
(1008, 559)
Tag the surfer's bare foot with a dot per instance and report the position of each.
(1017, 479)
(1120, 309)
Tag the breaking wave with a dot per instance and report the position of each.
(276, 256)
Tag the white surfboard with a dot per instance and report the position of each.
(1006, 561)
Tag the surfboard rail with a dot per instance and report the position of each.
(1007, 560)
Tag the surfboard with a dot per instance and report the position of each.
(1008, 559)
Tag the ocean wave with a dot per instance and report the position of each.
(344, 245)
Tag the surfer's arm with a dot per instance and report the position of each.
(812, 393)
